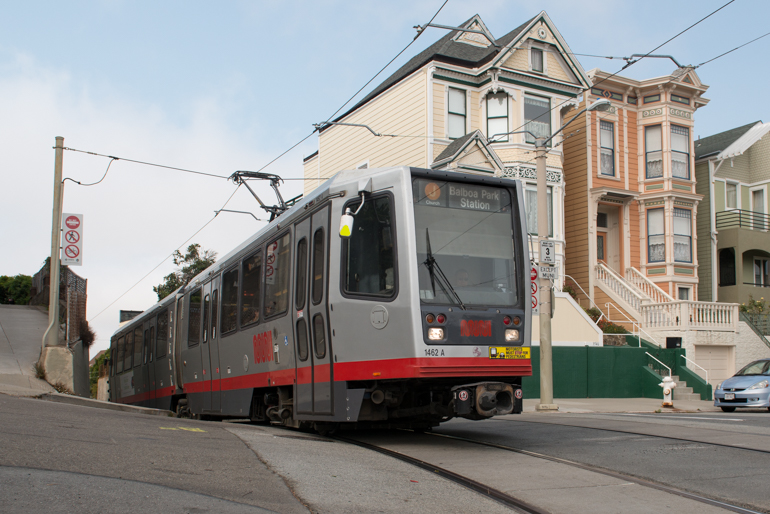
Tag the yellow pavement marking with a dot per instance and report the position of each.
(183, 428)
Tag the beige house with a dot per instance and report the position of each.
(455, 106)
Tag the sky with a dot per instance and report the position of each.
(217, 87)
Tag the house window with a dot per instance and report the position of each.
(456, 113)
(682, 235)
(726, 267)
(656, 240)
(608, 148)
(497, 117)
(762, 272)
(653, 153)
(731, 195)
(537, 59)
(537, 117)
(531, 208)
(680, 99)
(684, 293)
(680, 152)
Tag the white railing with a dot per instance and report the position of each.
(637, 328)
(684, 315)
(619, 286)
(697, 366)
(656, 360)
(647, 286)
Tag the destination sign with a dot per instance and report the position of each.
(456, 195)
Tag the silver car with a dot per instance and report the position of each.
(750, 387)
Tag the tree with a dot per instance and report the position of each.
(15, 290)
(189, 265)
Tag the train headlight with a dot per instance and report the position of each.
(435, 334)
(511, 335)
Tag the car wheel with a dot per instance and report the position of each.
(728, 409)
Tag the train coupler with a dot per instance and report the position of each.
(486, 399)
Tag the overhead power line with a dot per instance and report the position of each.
(733, 50)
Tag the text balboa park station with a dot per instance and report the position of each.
(476, 198)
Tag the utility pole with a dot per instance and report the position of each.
(546, 361)
(51, 337)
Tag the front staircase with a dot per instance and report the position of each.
(682, 391)
(653, 309)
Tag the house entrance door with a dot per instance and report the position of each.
(608, 236)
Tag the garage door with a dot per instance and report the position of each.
(718, 360)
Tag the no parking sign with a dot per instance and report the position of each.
(72, 240)
(533, 289)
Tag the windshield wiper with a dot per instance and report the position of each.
(435, 272)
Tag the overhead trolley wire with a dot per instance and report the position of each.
(733, 50)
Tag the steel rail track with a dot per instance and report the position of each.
(674, 438)
(607, 472)
(505, 499)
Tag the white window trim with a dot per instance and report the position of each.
(737, 195)
(753, 276)
(689, 288)
(544, 49)
(616, 140)
(762, 188)
(485, 114)
(446, 110)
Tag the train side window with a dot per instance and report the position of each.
(137, 347)
(113, 354)
(214, 308)
(319, 336)
(229, 301)
(120, 355)
(194, 319)
(369, 257)
(206, 304)
(145, 346)
(299, 295)
(252, 276)
(302, 339)
(129, 353)
(277, 258)
(151, 342)
(161, 341)
(318, 265)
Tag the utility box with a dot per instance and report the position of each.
(673, 342)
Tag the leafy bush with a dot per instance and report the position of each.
(594, 314)
(570, 291)
(609, 327)
(87, 335)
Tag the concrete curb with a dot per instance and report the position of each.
(99, 404)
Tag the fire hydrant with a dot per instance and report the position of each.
(668, 386)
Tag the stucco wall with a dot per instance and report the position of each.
(748, 346)
(570, 325)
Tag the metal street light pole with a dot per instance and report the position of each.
(546, 308)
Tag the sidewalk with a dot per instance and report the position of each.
(21, 332)
(609, 405)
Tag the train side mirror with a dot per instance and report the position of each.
(346, 224)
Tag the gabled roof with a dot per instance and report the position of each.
(449, 51)
(716, 144)
(746, 141)
(460, 145)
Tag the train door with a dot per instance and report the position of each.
(162, 365)
(204, 347)
(150, 345)
(314, 362)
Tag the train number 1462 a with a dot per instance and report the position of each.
(433, 352)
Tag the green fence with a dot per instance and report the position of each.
(610, 372)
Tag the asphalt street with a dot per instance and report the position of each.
(736, 475)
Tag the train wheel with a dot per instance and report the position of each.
(182, 411)
(326, 429)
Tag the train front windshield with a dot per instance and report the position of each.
(465, 247)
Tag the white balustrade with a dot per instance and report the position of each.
(684, 315)
(647, 286)
(618, 286)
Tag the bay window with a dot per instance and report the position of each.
(537, 117)
(656, 239)
(680, 152)
(497, 117)
(653, 151)
(530, 207)
(682, 235)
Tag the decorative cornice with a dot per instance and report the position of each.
(680, 113)
(527, 172)
(652, 112)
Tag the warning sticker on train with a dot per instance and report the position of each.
(509, 352)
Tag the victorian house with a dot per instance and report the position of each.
(456, 105)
